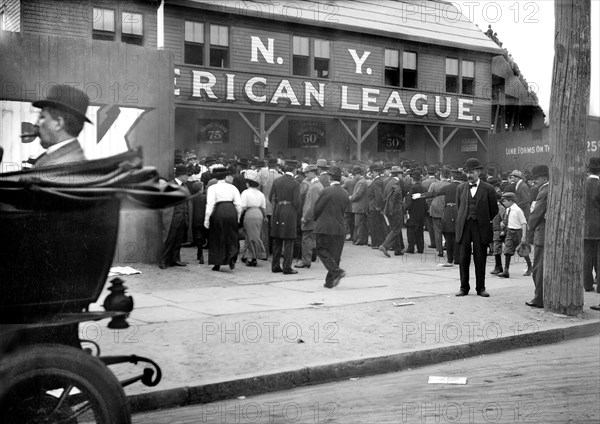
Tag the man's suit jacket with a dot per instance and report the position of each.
(375, 194)
(486, 209)
(592, 209)
(522, 192)
(70, 152)
(393, 197)
(308, 208)
(329, 211)
(285, 197)
(536, 225)
(359, 198)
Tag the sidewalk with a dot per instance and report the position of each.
(219, 335)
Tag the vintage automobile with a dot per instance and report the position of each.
(58, 232)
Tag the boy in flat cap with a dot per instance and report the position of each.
(514, 226)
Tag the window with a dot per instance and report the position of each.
(219, 46)
(194, 43)
(103, 24)
(392, 68)
(468, 77)
(310, 57)
(321, 65)
(132, 28)
(451, 75)
(2, 20)
(409, 70)
(301, 56)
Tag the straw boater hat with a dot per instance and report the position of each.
(67, 98)
(322, 163)
(252, 175)
(311, 168)
(396, 170)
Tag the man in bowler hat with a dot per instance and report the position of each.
(330, 229)
(536, 229)
(477, 205)
(59, 123)
(175, 220)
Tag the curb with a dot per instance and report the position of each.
(355, 368)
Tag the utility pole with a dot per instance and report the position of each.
(569, 104)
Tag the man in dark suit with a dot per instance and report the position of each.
(416, 208)
(360, 207)
(536, 229)
(394, 212)
(60, 121)
(375, 216)
(175, 222)
(477, 205)
(348, 185)
(285, 198)
(591, 235)
(330, 230)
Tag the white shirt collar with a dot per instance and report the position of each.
(57, 146)
(334, 183)
(592, 176)
(289, 173)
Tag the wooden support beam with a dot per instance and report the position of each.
(348, 130)
(479, 138)
(433, 137)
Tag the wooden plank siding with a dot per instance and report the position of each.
(75, 19)
(12, 14)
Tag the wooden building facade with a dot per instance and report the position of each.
(343, 80)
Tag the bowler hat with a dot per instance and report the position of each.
(540, 171)
(431, 169)
(509, 195)
(388, 165)
(243, 161)
(322, 163)
(293, 164)
(594, 164)
(416, 175)
(495, 181)
(209, 159)
(376, 167)
(516, 173)
(272, 162)
(335, 171)
(181, 170)
(220, 172)
(67, 98)
(312, 168)
(472, 164)
(358, 170)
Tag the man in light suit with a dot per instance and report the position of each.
(307, 221)
(536, 229)
(591, 236)
(60, 121)
(330, 229)
(360, 207)
(477, 205)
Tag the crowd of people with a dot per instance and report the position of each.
(252, 209)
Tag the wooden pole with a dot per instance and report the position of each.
(563, 250)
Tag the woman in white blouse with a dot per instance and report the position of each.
(223, 211)
(254, 204)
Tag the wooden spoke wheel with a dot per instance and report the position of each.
(59, 384)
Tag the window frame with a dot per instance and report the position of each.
(457, 76)
(400, 69)
(404, 68)
(132, 38)
(101, 34)
(194, 43)
(210, 47)
(312, 58)
(392, 68)
(463, 78)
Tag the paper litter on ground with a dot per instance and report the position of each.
(122, 270)
(447, 380)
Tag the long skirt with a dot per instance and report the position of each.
(223, 240)
(253, 224)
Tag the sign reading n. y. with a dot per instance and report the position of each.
(268, 86)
